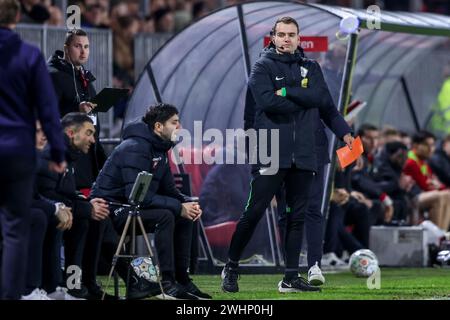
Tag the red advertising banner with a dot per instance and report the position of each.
(309, 44)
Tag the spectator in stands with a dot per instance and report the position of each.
(435, 197)
(26, 93)
(148, 25)
(440, 161)
(79, 137)
(33, 12)
(182, 14)
(95, 14)
(164, 210)
(164, 20)
(124, 33)
(199, 10)
(56, 16)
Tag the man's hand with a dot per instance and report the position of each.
(340, 196)
(359, 164)
(406, 182)
(278, 92)
(57, 167)
(100, 210)
(191, 211)
(361, 198)
(86, 106)
(388, 213)
(348, 139)
(65, 218)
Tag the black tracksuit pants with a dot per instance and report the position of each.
(263, 187)
(313, 219)
(16, 189)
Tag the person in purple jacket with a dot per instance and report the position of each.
(26, 94)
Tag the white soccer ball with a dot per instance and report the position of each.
(363, 263)
(144, 268)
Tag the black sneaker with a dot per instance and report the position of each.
(174, 291)
(81, 293)
(297, 284)
(193, 290)
(230, 279)
(141, 288)
(96, 293)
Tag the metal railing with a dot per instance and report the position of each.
(145, 46)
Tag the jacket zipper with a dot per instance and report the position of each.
(293, 135)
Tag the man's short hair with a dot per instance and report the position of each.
(365, 127)
(422, 136)
(72, 34)
(8, 11)
(393, 147)
(160, 112)
(75, 119)
(447, 138)
(389, 131)
(285, 20)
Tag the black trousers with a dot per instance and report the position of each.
(91, 254)
(358, 214)
(16, 189)
(75, 241)
(38, 228)
(313, 219)
(337, 238)
(173, 237)
(51, 260)
(263, 187)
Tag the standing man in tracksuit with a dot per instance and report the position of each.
(290, 93)
(26, 94)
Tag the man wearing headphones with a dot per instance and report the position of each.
(74, 88)
(290, 96)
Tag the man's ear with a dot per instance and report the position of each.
(158, 125)
(69, 132)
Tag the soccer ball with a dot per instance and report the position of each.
(144, 268)
(363, 263)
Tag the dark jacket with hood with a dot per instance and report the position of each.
(62, 187)
(140, 150)
(297, 115)
(71, 90)
(440, 164)
(387, 175)
(26, 94)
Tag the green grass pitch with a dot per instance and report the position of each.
(395, 284)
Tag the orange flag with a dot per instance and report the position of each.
(347, 156)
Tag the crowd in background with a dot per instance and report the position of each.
(128, 18)
(400, 180)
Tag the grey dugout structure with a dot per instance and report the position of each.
(203, 70)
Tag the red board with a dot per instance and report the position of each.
(308, 44)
